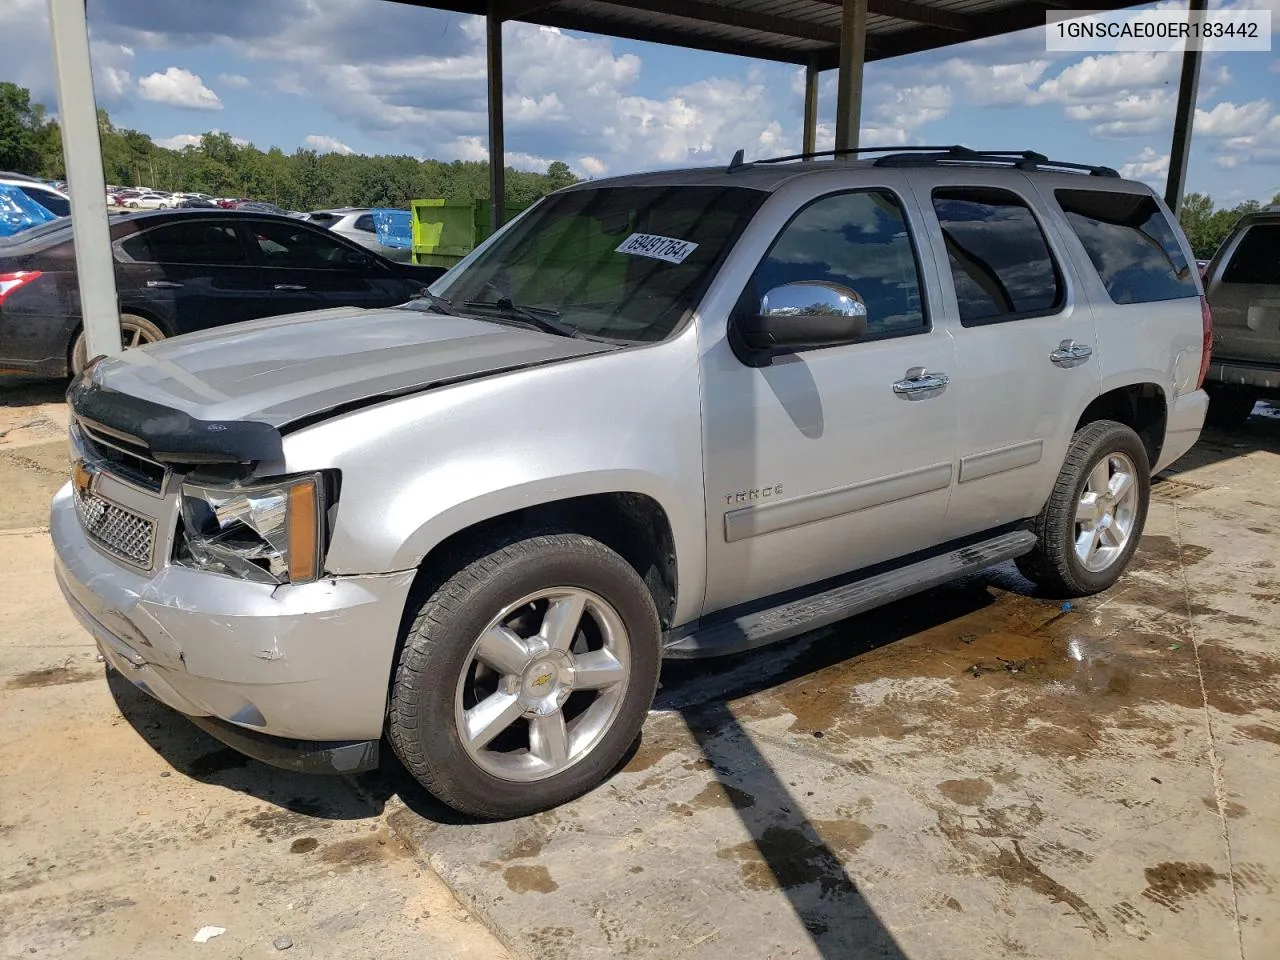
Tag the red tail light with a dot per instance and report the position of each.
(10, 282)
(1206, 324)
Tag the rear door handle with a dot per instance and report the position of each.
(1071, 354)
(921, 385)
(290, 286)
(164, 284)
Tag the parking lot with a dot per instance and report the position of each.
(974, 772)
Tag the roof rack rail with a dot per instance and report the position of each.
(737, 163)
(1021, 159)
(934, 155)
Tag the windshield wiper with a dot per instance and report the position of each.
(438, 304)
(539, 317)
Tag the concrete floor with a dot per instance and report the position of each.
(976, 772)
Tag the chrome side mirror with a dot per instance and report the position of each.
(809, 313)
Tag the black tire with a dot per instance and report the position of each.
(1053, 565)
(437, 648)
(130, 324)
(1229, 407)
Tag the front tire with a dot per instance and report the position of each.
(1092, 522)
(526, 676)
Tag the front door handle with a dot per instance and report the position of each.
(1071, 354)
(164, 284)
(290, 286)
(919, 384)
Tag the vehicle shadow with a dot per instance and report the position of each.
(193, 753)
(1261, 432)
(20, 390)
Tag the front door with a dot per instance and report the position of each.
(832, 459)
(1025, 347)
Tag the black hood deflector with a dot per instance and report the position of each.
(170, 435)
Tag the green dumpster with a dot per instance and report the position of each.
(445, 231)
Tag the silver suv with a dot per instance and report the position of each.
(678, 414)
(1243, 280)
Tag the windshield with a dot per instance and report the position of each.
(620, 262)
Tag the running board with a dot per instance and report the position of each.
(795, 617)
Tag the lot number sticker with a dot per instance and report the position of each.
(659, 248)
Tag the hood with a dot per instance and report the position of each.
(284, 369)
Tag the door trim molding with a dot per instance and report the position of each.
(979, 465)
(758, 519)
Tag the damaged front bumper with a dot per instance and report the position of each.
(294, 675)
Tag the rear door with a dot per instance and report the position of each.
(1024, 341)
(190, 274)
(1244, 292)
(306, 268)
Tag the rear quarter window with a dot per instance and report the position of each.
(1131, 244)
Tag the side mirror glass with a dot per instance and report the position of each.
(809, 313)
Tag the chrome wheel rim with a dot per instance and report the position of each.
(1106, 512)
(543, 684)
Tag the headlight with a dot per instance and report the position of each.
(269, 533)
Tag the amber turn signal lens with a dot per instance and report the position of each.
(303, 533)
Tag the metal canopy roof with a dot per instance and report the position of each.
(793, 31)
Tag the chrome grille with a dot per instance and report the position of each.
(116, 530)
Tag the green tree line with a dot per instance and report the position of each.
(31, 142)
(1207, 227)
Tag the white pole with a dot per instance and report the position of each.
(82, 151)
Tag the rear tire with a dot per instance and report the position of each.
(135, 331)
(1229, 407)
(1092, 522)
(494, 715)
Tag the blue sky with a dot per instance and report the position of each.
(375, 77)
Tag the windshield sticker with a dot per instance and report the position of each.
(659, 248)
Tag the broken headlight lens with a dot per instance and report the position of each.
(269, 533)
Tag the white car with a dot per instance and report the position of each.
(55, 201)
(356, 224)
(151, 201)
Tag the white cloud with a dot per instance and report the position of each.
(1106, 73)
(1148, 165)
(997, 84)
(178, 87)
(327, 144)
(1228, 119)
(233, 80)
(180, 141)
(1126, 115)
(592, 166)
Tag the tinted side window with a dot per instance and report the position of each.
(1257, 258)
(196, 241)
(860, 241)
(999, 258)
(287, 245)
(365, 223)
(1131, 245)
